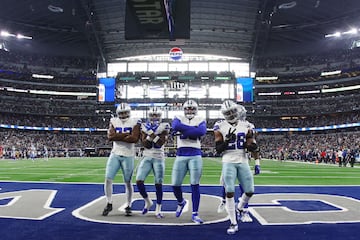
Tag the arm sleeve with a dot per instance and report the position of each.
(195, 131)
(176, 125)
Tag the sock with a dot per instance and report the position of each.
(178, 193)
(241, 193)
(159, 193)
(195, 189)
(158, 208)
(230, 206)
(148, 203)
(243, 201)
(129, 192)
(223, 192)
(141, 186)
(108, 189)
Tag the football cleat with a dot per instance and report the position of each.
(232, 229)
(196, 219)
(107, 209)
(180, 208)
(147, 206)
(128, 211)
(221, 207)
(244, 216)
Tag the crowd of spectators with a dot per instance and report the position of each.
(323, 147)
(309, 147)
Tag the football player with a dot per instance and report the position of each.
(189, 129)
(154, 134)
(124, 132)
(233, 138)
(243, 214)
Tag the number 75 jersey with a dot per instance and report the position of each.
(235, 152)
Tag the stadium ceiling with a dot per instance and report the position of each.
(244, 29)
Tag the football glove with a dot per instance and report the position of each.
(257, 167)
(230, 136)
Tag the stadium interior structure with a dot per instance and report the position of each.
(302, 58)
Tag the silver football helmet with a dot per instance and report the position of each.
(241, 112)
(190, 109)
(123, 111)
(154, 115)
(232, 112)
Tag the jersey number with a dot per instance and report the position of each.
(238, 143)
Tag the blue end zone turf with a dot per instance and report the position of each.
(56, 221)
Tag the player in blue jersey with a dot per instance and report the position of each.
(234, 136)
(154, 134)
(124, 132)
(189, 129)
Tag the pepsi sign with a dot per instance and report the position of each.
(175, 53)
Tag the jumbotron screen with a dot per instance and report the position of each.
(244, 90)
(106, 90)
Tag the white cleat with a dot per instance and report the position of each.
(148, 204)
(244, 216)
(232, 229)
(221, 207)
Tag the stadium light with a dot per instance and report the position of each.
(5, 33)
(266, 78)
(330, 73)
(42, 76)
(20, 36)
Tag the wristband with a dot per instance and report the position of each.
(149, 138)
(257, 162)
(156, 139)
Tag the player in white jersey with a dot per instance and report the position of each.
(243, 214)
(124, 132)
(233, 138)
(154, 134)
(189, 129)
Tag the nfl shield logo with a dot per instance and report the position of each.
(175, 53)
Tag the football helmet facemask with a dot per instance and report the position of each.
(230, 111)
(123, 111)
(154, 115)
(190, 109)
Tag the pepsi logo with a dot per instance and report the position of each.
(175, 53)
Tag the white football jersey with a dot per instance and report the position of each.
(119, 147)
(193, 143)
(157, 152)
(235, 153)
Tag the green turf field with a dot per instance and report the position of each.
(93, 169)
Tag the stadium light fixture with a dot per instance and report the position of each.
(5, 33)
(351, 31)
(42, 76)
(20, 36)
(330, 73)
(267, 78)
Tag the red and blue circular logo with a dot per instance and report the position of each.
(175, 53)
